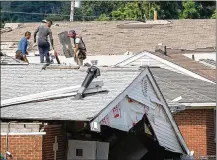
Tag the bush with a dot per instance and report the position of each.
(103, 17)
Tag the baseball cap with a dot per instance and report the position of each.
(71, 33)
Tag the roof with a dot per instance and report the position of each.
(121, 84)
(192, 90)
(175, 61)
(7, 60)
(190, 65)
(25, 80)
(208, 62)
(103, 38)
(15, 84)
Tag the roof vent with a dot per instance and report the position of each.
(92, 72)
(161, 48)
(193, 57)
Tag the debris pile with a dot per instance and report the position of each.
(11, 26)
(6, 29)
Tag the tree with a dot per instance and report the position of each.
(145, 10)
(214, 15)
(207, 9)
(191, 10)
(130, 11)
(169, 10)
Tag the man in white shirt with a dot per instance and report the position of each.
(80, 49)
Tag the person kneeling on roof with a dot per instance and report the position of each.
(22, 47)
(80, 49)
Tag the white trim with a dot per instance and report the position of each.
(131, 59)
(199, 104)
(21, 123)
(24, 133)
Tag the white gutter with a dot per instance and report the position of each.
(23, 133)
(199, 104)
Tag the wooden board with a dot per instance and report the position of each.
(66, 44)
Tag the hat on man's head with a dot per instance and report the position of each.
(71, 33)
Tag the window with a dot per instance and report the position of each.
(79, 152)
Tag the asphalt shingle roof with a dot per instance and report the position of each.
(19, 81)
(25, 80)
(173, 85)
(189, 64)
(103, 38)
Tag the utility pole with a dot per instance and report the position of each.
(72, 10)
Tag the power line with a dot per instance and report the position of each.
(46, 14)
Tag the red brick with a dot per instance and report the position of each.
(197, 128)
(23, 147)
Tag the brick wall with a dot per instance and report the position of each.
(53, 131)
(197, 128)
(23, 147)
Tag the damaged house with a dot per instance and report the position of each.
(123, 114)
(50, 116)
(192, 92)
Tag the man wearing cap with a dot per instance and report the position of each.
(80, 49)
(43, 44)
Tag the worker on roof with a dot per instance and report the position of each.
(43, 44)
(80, 49)
(22, 47)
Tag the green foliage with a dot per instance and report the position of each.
(102, 10)
(207, 9)
(131, 11)
(214, 15)
(103, 17)
(191, 10)
(168, 10)
(145, 10)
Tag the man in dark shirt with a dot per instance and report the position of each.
(43, 44)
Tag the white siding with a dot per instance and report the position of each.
(157, 116)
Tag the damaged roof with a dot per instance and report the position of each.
(26, 80)
(107, 36)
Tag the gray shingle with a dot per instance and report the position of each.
(20, 81)
(192, 90)
(25, 80)
(196, 33)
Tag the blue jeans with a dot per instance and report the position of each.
(44, 48)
